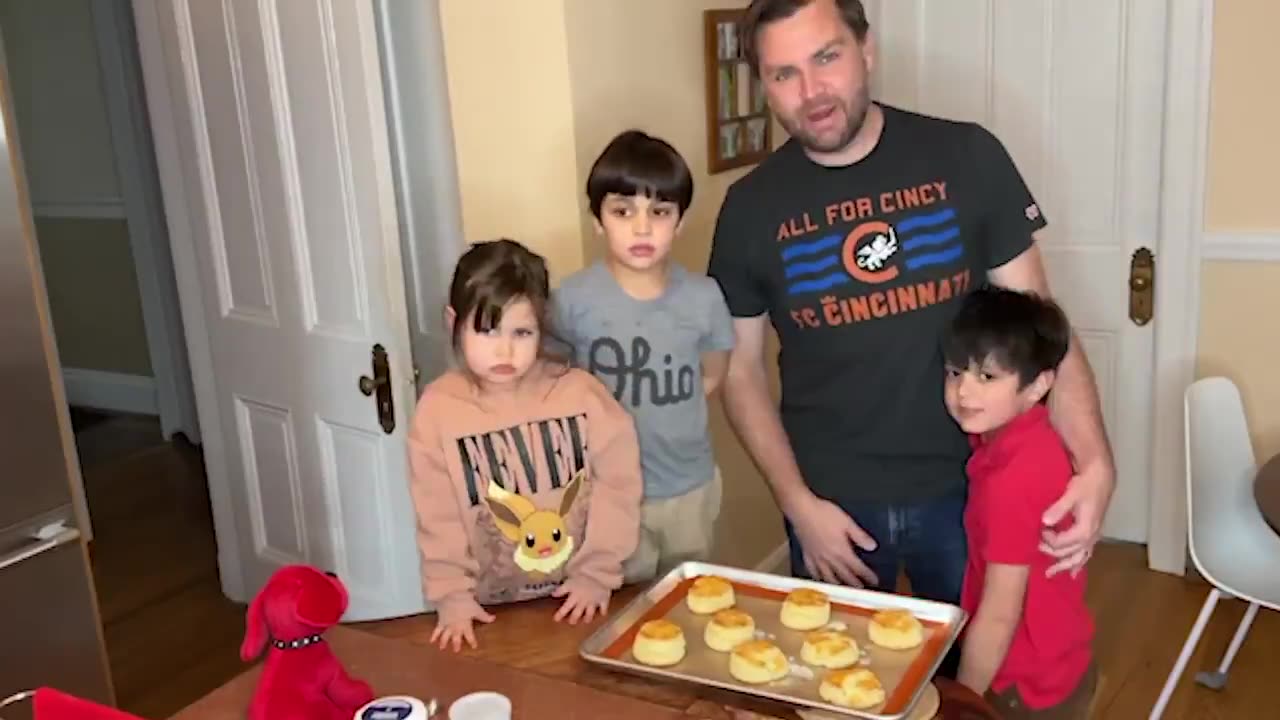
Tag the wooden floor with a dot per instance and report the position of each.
(172, 636)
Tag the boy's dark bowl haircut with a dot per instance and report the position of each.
(636, 163)
(1021, 332)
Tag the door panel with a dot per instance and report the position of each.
(1074, 90)
(283, 145)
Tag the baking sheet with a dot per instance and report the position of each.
(904, 673)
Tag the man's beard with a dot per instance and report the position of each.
(855, 114)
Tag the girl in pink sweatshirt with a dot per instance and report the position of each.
(525, 472)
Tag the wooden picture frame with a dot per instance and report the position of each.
(739, 126)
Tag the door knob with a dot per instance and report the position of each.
(1142, 280)
(380, 385)
(368, 384)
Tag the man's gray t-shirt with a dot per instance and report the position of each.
(649, 354)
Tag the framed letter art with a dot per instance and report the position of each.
(739, 129)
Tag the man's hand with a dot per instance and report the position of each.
(826, 532)
(827, 536)
(1087, 497)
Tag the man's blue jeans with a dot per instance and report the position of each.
(926, 538)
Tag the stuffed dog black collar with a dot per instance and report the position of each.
(297, 644)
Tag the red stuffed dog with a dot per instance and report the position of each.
(301, 678)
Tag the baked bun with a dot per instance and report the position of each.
(659, 643)
(857, 688)
(829, 649)
(757, 662)
(710, 594)
(806, 609)
(895, 630)
(729, 628)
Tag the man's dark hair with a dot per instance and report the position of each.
(1021, 332)
(763, 12)
(635, 163)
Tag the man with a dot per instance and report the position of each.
(855, 239)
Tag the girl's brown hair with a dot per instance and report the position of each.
(488, 276)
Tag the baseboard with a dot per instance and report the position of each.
(1256, 246)
(776, 561)
(118, 392)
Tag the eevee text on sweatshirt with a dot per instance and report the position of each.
(518, 491)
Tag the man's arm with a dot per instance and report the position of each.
(1077, 414)
(1073, 404)
(988, 636)
(754, 416)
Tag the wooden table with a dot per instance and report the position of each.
(524, 637)
(395, 667)
(1266, 490)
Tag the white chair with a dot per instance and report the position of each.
(1231, 544)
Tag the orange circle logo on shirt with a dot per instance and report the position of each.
(870, 267)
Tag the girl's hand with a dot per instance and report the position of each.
(454, 624)
(585, 598)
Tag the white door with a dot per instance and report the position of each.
(1074, 88)
(272, 144)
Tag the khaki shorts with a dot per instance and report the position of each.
(1076, 707)
(675, 530)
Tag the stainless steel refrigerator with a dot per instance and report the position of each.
(50, 631)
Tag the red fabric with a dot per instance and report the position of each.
(50, 704)
(1014, 476)
(307, 683)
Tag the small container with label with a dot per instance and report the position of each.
(393, 707)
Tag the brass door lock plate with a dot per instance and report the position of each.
(380, 384)
(1142, 281)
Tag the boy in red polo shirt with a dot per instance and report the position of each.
(1028, 643)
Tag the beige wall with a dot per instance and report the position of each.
(1245, 112)
(86, 265)
(578, 72)
(1238, 311)
(52, 57)
(1238, 337)
(513, 124)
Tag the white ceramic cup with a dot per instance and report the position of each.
(481, 706)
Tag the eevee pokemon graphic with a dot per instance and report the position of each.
(543, 543)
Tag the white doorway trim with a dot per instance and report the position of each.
(425, 168)
(1177, 304)
(161, 102)
(143, 210)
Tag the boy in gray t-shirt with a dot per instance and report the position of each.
(656, 335)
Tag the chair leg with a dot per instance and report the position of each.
(1217, 679)
(1187, 648)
